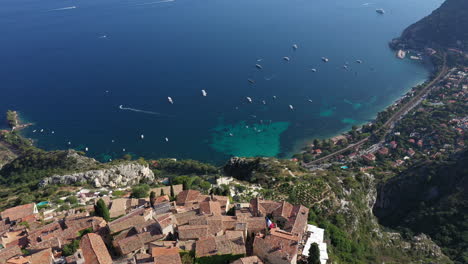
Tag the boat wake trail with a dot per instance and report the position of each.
(63, 8)
(156, 2)
(121, 107)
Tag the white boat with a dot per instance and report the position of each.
(380, 11)
(123, 150)
(142, 136)
(345, 67)
(170, 100)
(251, 81)
(258, 66)
(310, 100)
(42, 130)
(325, 59)
(359, 61)
(249, 99)
(264, 102)
(34, 131)
(86, 149)
(274, 96)
(286, 58)
(295, 46)
(69, 143)
(231, 135)
(121, 106)
(204, 93)
(53, 132)
(313, 70)
(291, 107)
(112, 141)
(167, 139)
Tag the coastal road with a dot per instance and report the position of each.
(391, 121)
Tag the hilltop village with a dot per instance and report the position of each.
(176, 227)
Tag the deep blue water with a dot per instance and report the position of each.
(60, 72)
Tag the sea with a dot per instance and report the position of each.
(96, 75)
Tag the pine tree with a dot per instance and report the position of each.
(314, 254)
(152, 198)
(101, 210)
(172, 191)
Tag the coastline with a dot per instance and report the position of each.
(300, 145)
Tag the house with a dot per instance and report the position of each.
(188, 232)
(21, 213)
(164, 255)
(8, 253)
(43, 257)
(393, 144)
(411, 152)
(278, 247)
(94, 250)
(136, 217)
(166, 223)
(383, 151)
(248, 260)
(210, 207)
(318, 151)
(315, 235)
(369, 157)
(229, 244)
(187, 198)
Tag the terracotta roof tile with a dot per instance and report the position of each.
(94, 250)
(19, 212)
(164, 255)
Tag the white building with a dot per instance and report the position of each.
(316, 236)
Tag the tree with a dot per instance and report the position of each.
(140, 191)
(162, 192)
(72, 200)
(153, 198)
(100, 209)
(172, 191)
(314, 254)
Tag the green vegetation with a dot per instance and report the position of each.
(12, 117)
(152, 198)
(445, 27)
(192, 182)
(71, 248)
(100, 209)
(314, 254)
(439, 207)
(184, 167)
(140, 191)
(35, 164)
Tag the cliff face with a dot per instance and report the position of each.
(116, 176)
(431, 198)
(445, 27)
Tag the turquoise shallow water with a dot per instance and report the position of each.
(68, 65)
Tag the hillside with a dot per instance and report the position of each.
(445, 27)
(430, 198)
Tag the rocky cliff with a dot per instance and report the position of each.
(116, 176)
(445, 27)
(430, 198)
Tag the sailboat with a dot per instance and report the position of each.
(291, 107)
(204, 93)
(170, 100)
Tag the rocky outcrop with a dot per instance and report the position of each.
(445, 27)
(116, 176)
